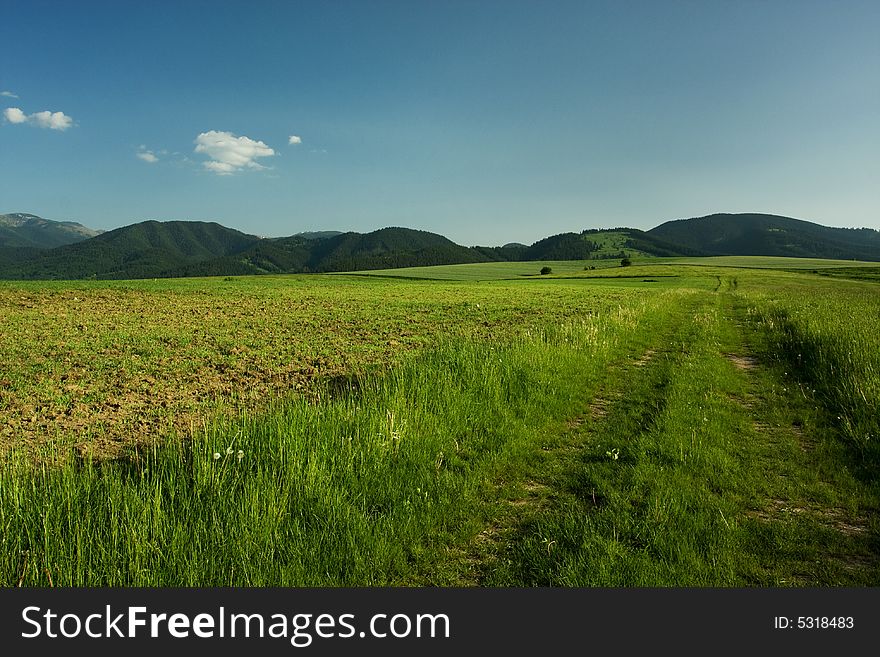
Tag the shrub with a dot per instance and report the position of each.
(546, 270)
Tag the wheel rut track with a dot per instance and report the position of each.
(613, 409)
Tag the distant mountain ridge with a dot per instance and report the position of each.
(769, 235)
(143, 250)
(20, 230)
(153, 249)
(380, 249)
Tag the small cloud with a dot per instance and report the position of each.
(8, 94)
(146, 154)
(44, 119)
(51, 120)
(230, 153)
(294, 139)
(14, 115)
(220, 168)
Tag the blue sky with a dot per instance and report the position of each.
(488, 122)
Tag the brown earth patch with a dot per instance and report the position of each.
(645, 358)
(741, 362)
(599, 408)
(536, 494)
(833, 518)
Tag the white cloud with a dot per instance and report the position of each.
(230, 153)
(220, 168)
(14, 115)
(8, 94)
(44, 119)
(294, 139)
(146, 155)
(51, 120)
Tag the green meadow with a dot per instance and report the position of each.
(676, 422)
(488, 271)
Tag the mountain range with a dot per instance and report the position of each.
(36, 248)
(30, 231)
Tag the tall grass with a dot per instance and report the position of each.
(699, 476)
(643, 507)
(832, 343)
(351, 490)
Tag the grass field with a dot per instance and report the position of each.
(669, 423)
(104, 364)
(769, 262)
(489, 271)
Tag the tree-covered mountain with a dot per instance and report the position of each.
(769, 235)
(564, 246)
(381, 249)
(144, 250)
(191, 248)
(589, 244)
(387, 248)
(640, 241)
(21, 230)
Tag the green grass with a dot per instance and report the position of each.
(832, 344)
(351, 489)
(489, 271)
(701, 474)
(103, 364)
(712, 426)
(772, 262)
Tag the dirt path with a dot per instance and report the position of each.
(547, 482)
(810, 487)
(787, 510)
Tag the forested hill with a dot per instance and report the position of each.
(191, 248)
(769, 235)
(381, 249)
(143, 250)
(154, 249)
